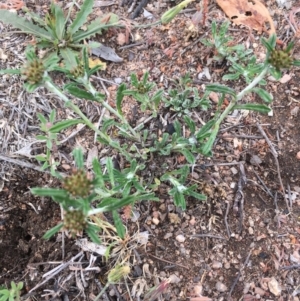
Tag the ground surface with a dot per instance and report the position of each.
(258, 260)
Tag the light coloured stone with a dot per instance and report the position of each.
(274, 287)
(180, 238)
(221, 287)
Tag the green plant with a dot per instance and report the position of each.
(142, 91)
(108, 192)
(56, 33)
(184, 97)
(12, 294)
(242, 62)
(274, 62)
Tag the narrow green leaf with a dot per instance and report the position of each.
(41, 158)
(41, 137)
(118, 223)
(98, 172)
(52, 116)
(120, 97)
(82, 15)
(10, 71)
(277, 74)
(232, 76)
(92, 233)
(196, 195)
(188, 155)
(205, 129)
(51, 192)
(25, 26)
(80, 93)
(96, 26)
(59, 22)
(295, 63)
(78, 157)
(253, 107)
(42, 118)
(220, 89)
(179, 200)
(263, 94)
(53, 231)
(69, 57)
(62, 125)
(110, 171)
(209, 144)
(190, 123)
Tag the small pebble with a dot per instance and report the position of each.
(216, 264)
(155, 221)
(180, 238)
(250, 230)
(274, 287)
(168, 235)
(221, 287)
(298, 156)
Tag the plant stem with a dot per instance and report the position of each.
(87, 84)
(76, 109)
(102, 291)
(235, 100)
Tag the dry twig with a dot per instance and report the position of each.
(275, 155)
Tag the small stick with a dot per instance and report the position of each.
(263, 184)
(239, 275)
(26, 164)
(226, 219)
(238, 205)
(213, 164)
(290, 267)
(276, 210)
(167, 261)
(275, 155)
(207, 235)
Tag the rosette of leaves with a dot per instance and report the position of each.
(108, 192)
(184, 98)
(279, 59)
(57, 33)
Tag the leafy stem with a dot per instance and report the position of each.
(236, 99)
(77, 110)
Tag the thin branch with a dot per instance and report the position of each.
(275, 155)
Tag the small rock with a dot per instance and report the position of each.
(234, 170)
(221, 287)
(298, 156)
(180, 238)
(216, 264)
(274, 287)
(259, 291)
(250, 230)
(174, 278)
(155, 221)
(168, 235)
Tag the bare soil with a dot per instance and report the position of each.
(209, 249)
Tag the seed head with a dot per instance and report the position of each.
(78, 184)
(78, 71)
(75, 221)
(117, 273)
(169, 15)
(280, 59)
(33, 71)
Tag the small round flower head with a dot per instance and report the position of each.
(280, 59)
(33, 71)
(78, 184)
(78, 71)
(75, 221)
(117, 273)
